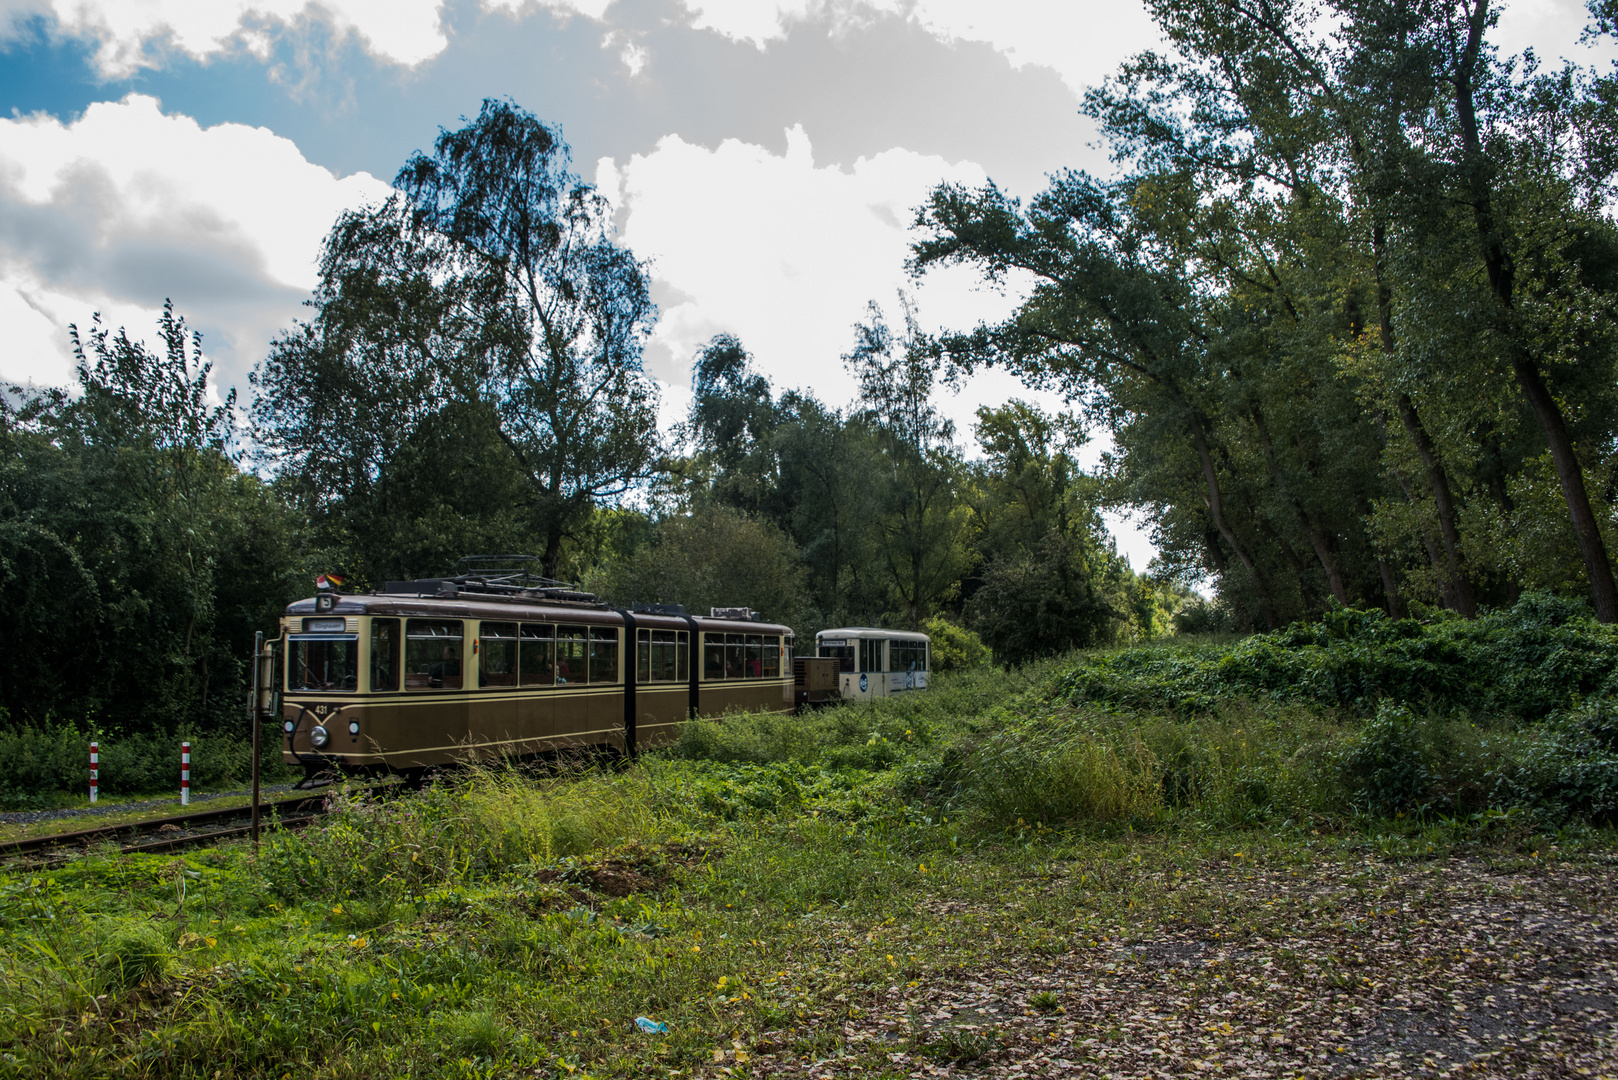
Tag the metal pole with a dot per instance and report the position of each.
(185, 774)
(257, 721)
(95, 770)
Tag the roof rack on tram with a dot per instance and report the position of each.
(496, 575)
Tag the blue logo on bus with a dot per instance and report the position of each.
(865, 683)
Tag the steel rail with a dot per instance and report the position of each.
(314, 802)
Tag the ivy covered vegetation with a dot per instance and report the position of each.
(781, 891)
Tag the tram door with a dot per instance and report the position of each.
(868, 680)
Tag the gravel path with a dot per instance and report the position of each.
(1440, 970)
(172, 802)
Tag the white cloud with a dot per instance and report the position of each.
(1083, 42)
(779, 252)
(591, 9)
(402, 31)
(127, 206)
(786, 256)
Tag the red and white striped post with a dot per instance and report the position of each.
(185, 774)
(95, 769)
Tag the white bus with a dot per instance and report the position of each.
(876, 663)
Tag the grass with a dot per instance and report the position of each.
(849, 888)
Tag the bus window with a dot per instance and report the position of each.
(841, 651)
(907, 656)
(572, 654)
(384, 654)
(432, 654)
(323, 663)
(772, 656)
(870, 654)
(497, 654)
(603, 654)
(713, 656)
(536, 654)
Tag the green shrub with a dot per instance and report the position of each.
(1388, 768)
(954, 648)
(1542, 655)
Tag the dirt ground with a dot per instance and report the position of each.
(1455, 967)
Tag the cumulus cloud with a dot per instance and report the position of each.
(1082, 42)
(127, 206)
(134, 34)
(787, 255)
(778, 251)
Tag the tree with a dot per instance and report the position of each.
(713, 557)
(136, 560)
(919, 519)
(491, 282)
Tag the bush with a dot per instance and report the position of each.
(954, 648)
(1387, 768)
(1542, 655)
(1041, 603)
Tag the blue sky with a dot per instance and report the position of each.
(765, 154)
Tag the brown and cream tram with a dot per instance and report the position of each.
(429, 672)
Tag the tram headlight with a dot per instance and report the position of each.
(353, 727)
(289, 727)
(318, 737)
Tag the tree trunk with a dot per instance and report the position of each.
(1216, 510)
(1390, 589)
(1444, 503)
(1306, 524)
(1445, 584)
(1603, 591)
(1501, 270)
(1459, 588)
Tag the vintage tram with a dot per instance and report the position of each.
(875, 663)
(490, 664)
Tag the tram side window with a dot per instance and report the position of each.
(682, 657)
(843, 654)
(537, 654)
(870, 654)
(603, 654)
(326, 664)
(735, 656)
(908, 655)
(713, 656)
(384, 654)
(753, 661)
(433, 654)
(668, 655)
(772, 656)
(660, 656)
(572, 654)
(497, 654)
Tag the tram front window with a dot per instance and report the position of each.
(843, 654)
(326, 664)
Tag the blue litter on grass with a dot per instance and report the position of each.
(651, 1027)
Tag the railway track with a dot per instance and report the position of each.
(177, 831)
